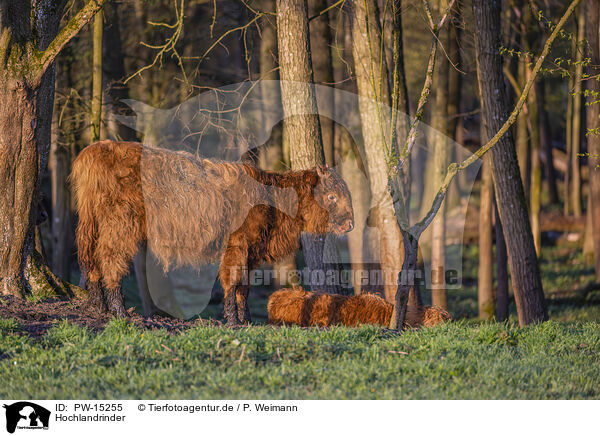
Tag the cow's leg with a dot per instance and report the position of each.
(115, 255)
(95, 300)
(230, 307)
(114, 301)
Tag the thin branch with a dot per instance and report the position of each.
(327, 9)
(412, 133)
(169, 46)
(71, 29)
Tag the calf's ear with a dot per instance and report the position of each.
(322, 171)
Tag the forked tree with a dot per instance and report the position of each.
(30, 41)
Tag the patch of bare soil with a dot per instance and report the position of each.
(36, 318)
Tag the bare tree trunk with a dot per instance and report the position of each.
(352, 165)
(62, 217)
(29, 43)
(527, 284)
(62, 149)
(535, 192)
(270, 154)
(501, 270)
(575, 181)
(485, 276)
(370, 68)
(569, 138)
(588, 234)
(302, 132)
(546, 140)
(96, 115)
(320, 42)
(439, 121)
(522, 133)
(592, 22)
(454, 99)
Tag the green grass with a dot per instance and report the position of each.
(461, 360)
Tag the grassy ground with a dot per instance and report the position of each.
(458, 360)
(464, 359)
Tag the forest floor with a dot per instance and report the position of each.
(80, 356)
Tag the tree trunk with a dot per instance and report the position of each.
(29, 43)
(527, 284)
(575, 181)
(62, 215)
(501, 270)
(569, 136)
(370, 68)
(439, 121)
(454, 100)
(113, 67)
(485, 276)
(352, 166)
(592, 22)
(523, 133)
(535, 192)
(270, 154)
(301, 129)
(19, 180)
(96, 114)
(588, 234)
(320, 42)
(546, 140)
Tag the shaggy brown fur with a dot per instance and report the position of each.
(304, 308)
(192, 211)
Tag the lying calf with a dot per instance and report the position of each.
(304, 308)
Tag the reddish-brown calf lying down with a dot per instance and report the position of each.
(304, 308)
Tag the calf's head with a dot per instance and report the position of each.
(331, 208)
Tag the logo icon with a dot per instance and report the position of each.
(26, 415)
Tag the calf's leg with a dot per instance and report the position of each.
(241, 296)
(232, 274)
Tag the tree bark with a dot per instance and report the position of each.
(535, 192)
(501, 270)
(546, 140)
(97, 83)
(527, 284)
(29, 43)
(320, 42)
(371, 77)
(439, 121)
(523, 154)
(485, 276)
(569, 136)
(352, 166)
(592, 22)
(454, 99)
(301, 129)
(575, 180)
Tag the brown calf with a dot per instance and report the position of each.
(192, 211)
(306, 309)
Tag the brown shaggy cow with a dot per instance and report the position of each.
(306, 309)
(192, 211)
